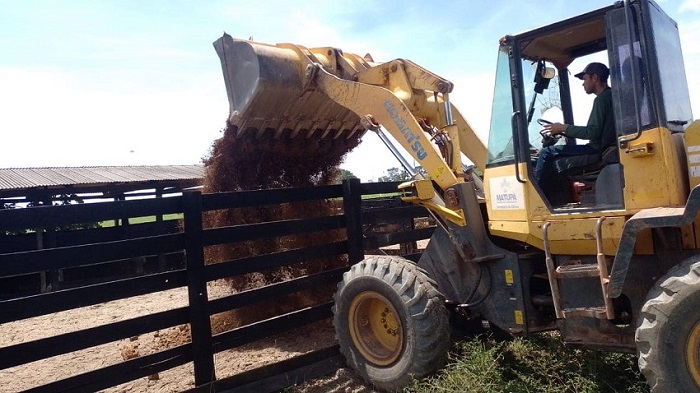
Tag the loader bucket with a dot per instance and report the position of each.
(267, 95)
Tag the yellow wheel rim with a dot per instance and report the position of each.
(692, 353)
(375, 328)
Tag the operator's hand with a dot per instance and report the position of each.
(554, 128)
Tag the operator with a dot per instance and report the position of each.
(600, 130)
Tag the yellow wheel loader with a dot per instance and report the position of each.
(607, 253)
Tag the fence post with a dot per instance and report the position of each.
(162, 263)
(352, 206)
(408, 224)
(200, 325)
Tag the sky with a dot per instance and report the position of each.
(89, 83)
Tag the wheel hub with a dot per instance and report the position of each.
(692, 353)
(375, 328)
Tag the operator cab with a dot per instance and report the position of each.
(535, 83)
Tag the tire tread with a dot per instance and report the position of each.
(425, 308)
(661, 301)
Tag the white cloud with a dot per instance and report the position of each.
(51, 120)
(690, 5)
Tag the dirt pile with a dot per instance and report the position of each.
(254, 161)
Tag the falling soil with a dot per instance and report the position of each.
(259, 160)
(254, 162)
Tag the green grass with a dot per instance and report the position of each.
(384, 195)
(539, 364)
(141, 220)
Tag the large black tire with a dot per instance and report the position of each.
(391, 322)
(668, 332)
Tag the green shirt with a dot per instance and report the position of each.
(600, 130)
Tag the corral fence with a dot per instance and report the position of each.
(176, 254)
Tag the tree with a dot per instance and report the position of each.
(423, 172)
(16, 232)
(395, 174)
(345, 174)
(64, 200)
(69, 199)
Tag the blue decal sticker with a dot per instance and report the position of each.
(415, 141)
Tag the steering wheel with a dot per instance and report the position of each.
(547, 138)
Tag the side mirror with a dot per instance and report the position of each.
(542, 77)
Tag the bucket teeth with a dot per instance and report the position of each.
(296, 131)
(333, 133)
(311, 132)
(339, 131)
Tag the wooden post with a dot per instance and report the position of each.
(159, 194)
(116, 220)
(352, 206)
(200, 324)
(40, 246)
(124, 220)
(407, 224)
(162, 266)
(55, 276)
(48, 240)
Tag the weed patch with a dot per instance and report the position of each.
(540, 363)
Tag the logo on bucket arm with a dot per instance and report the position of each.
(415, 141)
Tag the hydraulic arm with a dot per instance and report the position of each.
(287, 88)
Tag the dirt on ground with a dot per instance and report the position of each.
(250, 160)
(227, 363)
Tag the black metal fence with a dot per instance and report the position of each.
(189, 241)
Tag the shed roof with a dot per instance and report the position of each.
(90, 176)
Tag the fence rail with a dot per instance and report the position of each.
(190, 240)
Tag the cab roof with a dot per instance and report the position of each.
(564, 41)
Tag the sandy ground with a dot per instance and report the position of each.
(227, 363)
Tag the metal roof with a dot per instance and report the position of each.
(27, 178)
